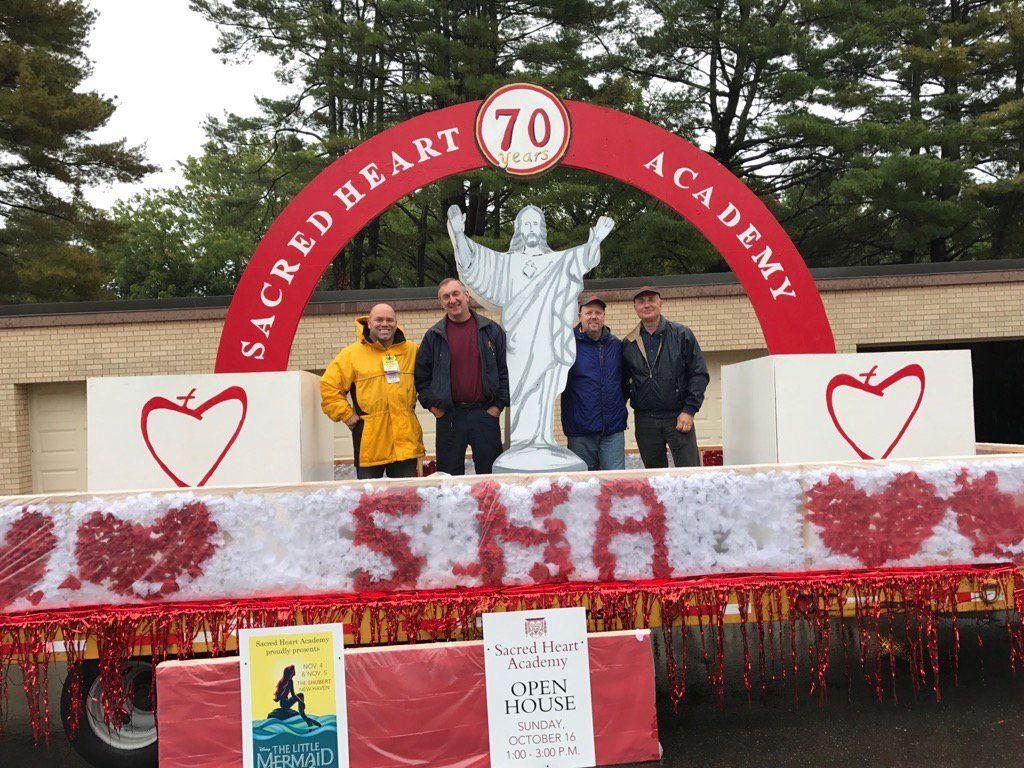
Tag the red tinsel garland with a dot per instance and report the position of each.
(172, 628)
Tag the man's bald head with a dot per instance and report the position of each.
(382, 323)
(382, 308)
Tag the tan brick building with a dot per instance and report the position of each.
(47, 352)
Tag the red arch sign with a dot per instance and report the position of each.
(301, 243)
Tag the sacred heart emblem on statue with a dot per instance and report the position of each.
(536, 627)
(189, 442)
(874, 416)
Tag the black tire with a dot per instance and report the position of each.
(130, 748)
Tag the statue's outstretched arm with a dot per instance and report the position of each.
(467, 252)
(480, 268)
(590, 251)
(457, 232)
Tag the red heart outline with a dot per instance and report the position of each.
(913, 370)
(162, 403)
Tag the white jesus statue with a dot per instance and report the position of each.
(536, 289)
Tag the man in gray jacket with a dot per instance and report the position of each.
(665, 376)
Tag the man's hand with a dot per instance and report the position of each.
(603, 228)
(456, 220)
(685, 422)
(495, 411)
(352, 420)
(438, 413)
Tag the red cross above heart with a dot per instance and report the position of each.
(864, 384)
(154, 404)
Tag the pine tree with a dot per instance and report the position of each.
(46, 155)
(1001, 184)
(907, 132)
(361, 65)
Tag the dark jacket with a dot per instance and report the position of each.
(674, 381)
(593, 402)
(433, 365)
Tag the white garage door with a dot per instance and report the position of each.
(57, 434)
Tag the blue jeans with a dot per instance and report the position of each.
(600, 451)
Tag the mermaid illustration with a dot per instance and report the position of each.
(286, 698)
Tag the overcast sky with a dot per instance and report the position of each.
(155, 59)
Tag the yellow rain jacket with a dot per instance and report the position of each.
(391, 431)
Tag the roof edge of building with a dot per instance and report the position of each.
(614, 289)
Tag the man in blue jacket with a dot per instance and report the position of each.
(593, 403)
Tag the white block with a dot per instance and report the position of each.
(797, 408)
(207, 430)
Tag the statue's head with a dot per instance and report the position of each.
(530, 231)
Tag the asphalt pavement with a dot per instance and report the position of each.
(978, 723)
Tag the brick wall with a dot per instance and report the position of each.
(888, 310)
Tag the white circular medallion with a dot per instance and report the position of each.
(522, 129)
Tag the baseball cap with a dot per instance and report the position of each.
(645, 289)
(593, 299)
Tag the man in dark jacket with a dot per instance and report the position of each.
(462, 378)
(667, 377)
(593, 403)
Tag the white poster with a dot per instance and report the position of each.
(207, 430)
(293, 697)
(869, 405)
(539, 711)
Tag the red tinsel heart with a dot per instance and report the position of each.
(991, 519)
(146, 560)
(24, 554)
(877, 528)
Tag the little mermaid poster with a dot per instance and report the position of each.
(293, 697)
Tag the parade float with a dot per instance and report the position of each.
(851, 502)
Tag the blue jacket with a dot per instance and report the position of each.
(593, 402)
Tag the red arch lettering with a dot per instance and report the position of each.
(365, 181)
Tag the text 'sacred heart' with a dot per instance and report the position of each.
(154, 404)
(24, 555)
(912, 371)
(146, 560)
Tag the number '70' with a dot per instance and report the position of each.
(512, 115)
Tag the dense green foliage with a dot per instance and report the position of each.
(878, 131)
(48, 234)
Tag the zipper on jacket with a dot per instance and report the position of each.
(600, 370)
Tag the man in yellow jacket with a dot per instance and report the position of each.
(377, 372)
